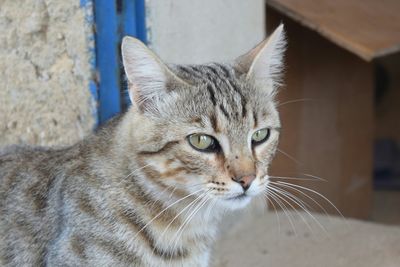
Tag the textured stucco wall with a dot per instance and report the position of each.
(44, 59)
(44, 73)
(198, 31)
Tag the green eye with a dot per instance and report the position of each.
(260, 136)
(203, 142)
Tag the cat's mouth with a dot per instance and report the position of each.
(239, 197)
(237, 201)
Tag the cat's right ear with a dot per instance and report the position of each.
(149, 79)
(264, 63)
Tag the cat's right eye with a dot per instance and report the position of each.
(260, 136)
(203, 142)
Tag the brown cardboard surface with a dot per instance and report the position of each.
(329, 130)
(367, 28)
(262, 241)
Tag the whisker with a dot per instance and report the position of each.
(123, 180)
(295, 101)
(283, 207)
(295, 178)
(300, 205)
(136, 170)
(316, 177)
(290, 157)
(157, 200)
(190, 217)
(178, 234)
(172, 192)
(303, 206)
(315, 192)
(301, 192)
(183, 210)
(193, 185)
(186, 187)
(276, 198)
(276, 212)
(161, 212)
(195, 203)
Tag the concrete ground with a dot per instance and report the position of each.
(260, 241)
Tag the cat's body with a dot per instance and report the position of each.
(150, 187)
(62, 208)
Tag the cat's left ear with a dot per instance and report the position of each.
(150, 80)
(264, 63)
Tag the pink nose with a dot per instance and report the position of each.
(245, 181)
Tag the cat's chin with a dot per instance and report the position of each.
(236, 202)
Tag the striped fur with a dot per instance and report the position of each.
(135, 193)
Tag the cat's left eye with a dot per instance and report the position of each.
(260, 136)
(203, 142)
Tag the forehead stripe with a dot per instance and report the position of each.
(224, 70)
(255, 119)
(189, 71)
(183, 68)
(196, 70)
(222, 108)
(212, 94)
(214, 71)
(243, 101)
(214, 123)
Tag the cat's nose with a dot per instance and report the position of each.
(245, 181)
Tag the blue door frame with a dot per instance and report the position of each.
(113, 19)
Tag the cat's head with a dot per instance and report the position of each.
(210, 130)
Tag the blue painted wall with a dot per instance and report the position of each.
(113, 19)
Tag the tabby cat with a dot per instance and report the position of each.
(151, 186)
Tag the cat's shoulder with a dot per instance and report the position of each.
(15, 152)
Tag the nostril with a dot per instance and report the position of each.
(245, 186)
(244, 181)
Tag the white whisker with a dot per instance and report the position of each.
(276, 212)
(289, 156)
(183, 210)
(179, 232)
(294, 178)
(301, 192)
(314, 176)
(303, 206)
(300, 205)
(177, 215)
(161, 212)
(136, 170)
(295, 101)
(282, 206)
(315, 192)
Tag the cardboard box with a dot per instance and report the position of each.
(327, 102)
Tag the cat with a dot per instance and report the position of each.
(151, 186)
